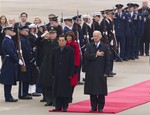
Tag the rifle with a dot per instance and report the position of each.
(23, 67)
(61, 19)
(87, 36)
(77, 33)
(105, 39)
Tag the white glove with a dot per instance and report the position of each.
(20, 62)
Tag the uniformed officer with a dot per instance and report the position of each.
(25, 77)
(54, 22)
(79, 38)
(130, 38)
(8, 75)
(138, 22)
(119, 24)
(68, 25)
(86, 28)
(96, 21)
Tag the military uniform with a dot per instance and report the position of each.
(8, 75)
(119, 26)
(25, 77)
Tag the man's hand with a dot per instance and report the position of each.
(99, 53)
(20, 62)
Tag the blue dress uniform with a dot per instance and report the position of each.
(138, 22)
(130, 38)
(8, 75)
(119, 24)
(67, 28)
(25, 77)
(86, 29)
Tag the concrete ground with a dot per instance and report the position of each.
(128, 73)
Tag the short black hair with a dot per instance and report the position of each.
(24, 13)
(63, 36)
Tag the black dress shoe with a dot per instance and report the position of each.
(64, 110)
(110, 75)
(100, 110)
(25, 97)
(11, 100)
(48, 104)
(36, 94)
(42, 100)
(93, 110)
(57, 109)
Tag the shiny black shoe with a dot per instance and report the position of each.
(59, 109)
(36, 94)
(64, 110)
(110, 75)
(11, 100)
(25, 97)
(93, 110)
(100, 110)
(113, 73)
(48, 104)
(42, 100)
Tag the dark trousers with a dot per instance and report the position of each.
(7, 92)
(112, 57)
(97, 101)
(121, 43)
(71, 96)
(128, 47)
(144, 47)
(47, 94)
(137, 46)
(61, 103)
(23, 88)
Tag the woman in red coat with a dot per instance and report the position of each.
(72, 43)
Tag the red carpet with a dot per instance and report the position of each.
(119, 100)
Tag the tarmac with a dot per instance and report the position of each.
(128, 73)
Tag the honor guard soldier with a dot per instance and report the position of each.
(25, 76)
(68, 25)
(53, 21)
(145, 40)
(8, 75)
(86, 28)
(138, 22)
(96, 21)
(119, 25)
(130, 38)
(34, 71)
(79, 38)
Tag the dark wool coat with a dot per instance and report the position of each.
(63, 70)
(46, 66)
(96, 67)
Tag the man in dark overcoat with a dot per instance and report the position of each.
(97, 69)
(63, 71)
(49, 43)
(8, 75)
